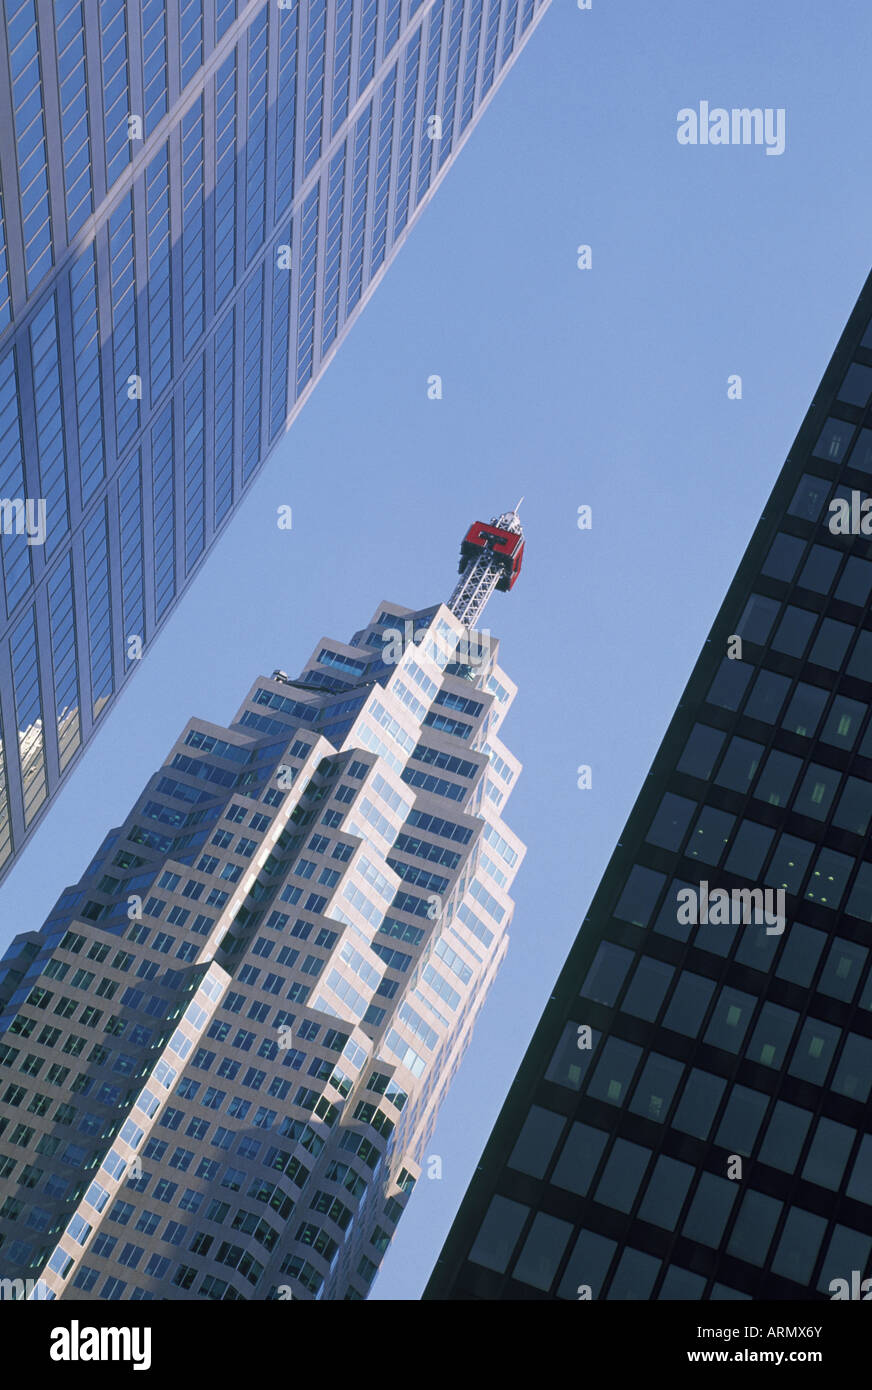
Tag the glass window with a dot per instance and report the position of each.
(749, 849)
(843, 722)
(860, 663)
(799, 1245)
(859, 904)
(711, 1205)
(542, 1251)
(570, 1060)
(614, 1072)
(754, 1228)
(717, 937)
(833, 443)
(861, 454)
(815, 796)
(860, 1182)
(828, 1154)
(854, 1073)
(773, 1035)
(634, 1277)
(667, 922)
(785, 1136)
(688, 1004)
(805, 710)
(729, 1022)
(741, 1120)
(723, 1292)
(498, 1234)
(709, 835)
(756, 621)
(647, 988)
(801, 953)
(855, 806)
(777, 778)
(842, 969)
(829, 878)
(667, 1189)
(820, 568)
(793, 632)
(757, 949)
(755, 1224)
(767, 696)
(640, 893)
(578, 1161)
(740, 763)
(606, 975)
(811, 494)
(670, 821)
(587, 1265)
(831, 644)
(783, 558)
(788, 863)
(729, 684)
(701, 750)
(855, 584)
(699, 1102)
(681, 1286)
(537, 1141)
(623, 1175)
(848, 1250)
(814, 1051)
(857, 385)
(656, 1087)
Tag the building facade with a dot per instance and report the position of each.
(197, 198)
(222, 1057)
(691, 1120)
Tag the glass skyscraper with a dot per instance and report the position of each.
(196, 199)
(222, 1057)
(691, 1120)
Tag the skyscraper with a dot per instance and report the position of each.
(691, 1119)
(197, 198)
(222, 1057)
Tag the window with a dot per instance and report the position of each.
(606, 975)
(498, 1234)
(536, 1142)
(614, 1071)
(623, 1175)
(542, 1251)
(699, 1102)
(666, 1191)
(647, 989)
(656, 1087)
(711, 1205)
(828, 1153)
(797, 1250)
(754, 1227)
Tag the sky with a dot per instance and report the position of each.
(605, 387)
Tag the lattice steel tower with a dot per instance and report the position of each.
(490, 558)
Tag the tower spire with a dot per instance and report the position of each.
(490, 558)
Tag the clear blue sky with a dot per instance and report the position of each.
(606, 387)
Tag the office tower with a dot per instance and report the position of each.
(222, 1057)
(710, 1138)
(197, 198)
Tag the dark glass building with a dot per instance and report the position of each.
(691, 1120)
(197, 198)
